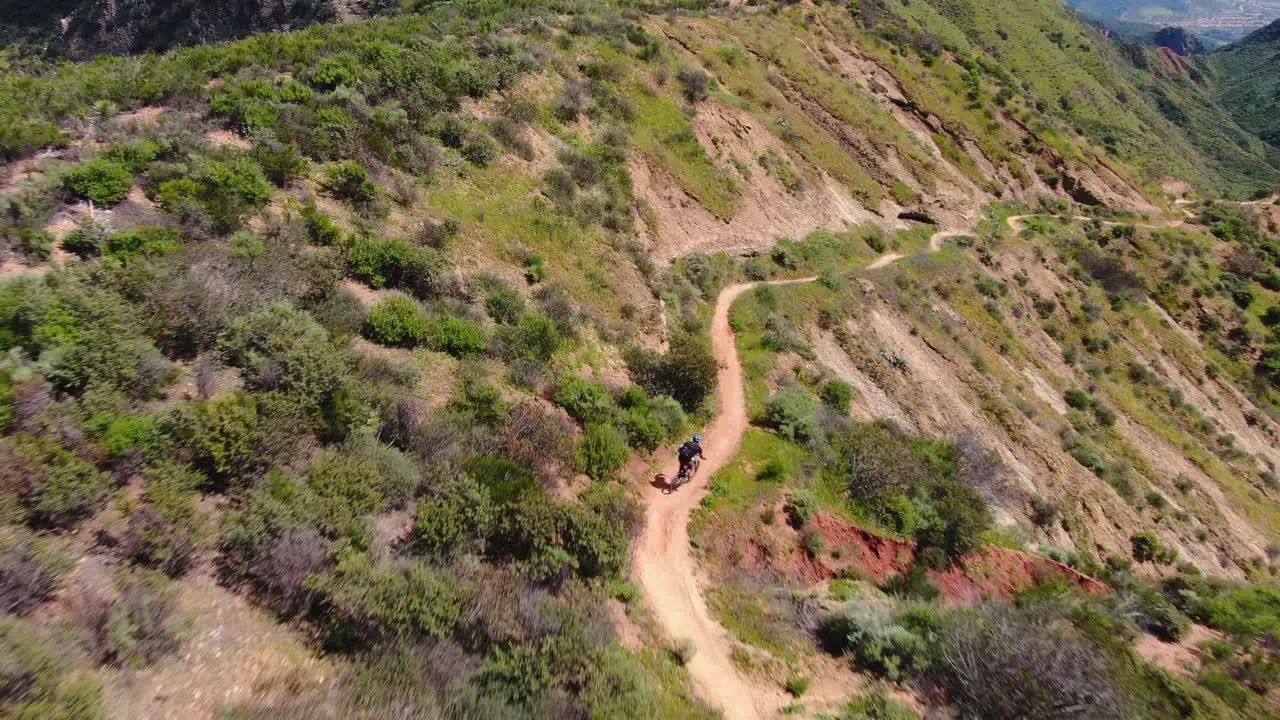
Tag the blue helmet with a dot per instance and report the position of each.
(697, 438)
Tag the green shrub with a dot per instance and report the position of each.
(505, 479)
(344, 488)
(586, 400)
(1271, 318)
(645, 430)
(878, 706)
(601, 451)
(101, 181)
(534, 337)
(1221, 683)
(915, 584)
(278, 347)
(333, 71)
(553, 540)
(504, 305)
(481, 399)
(143, 242)
(793, 414)
(961, 516)
(457, 336)
(797, 685)
(1044, 306)
(456, 518)
(772, 472)
(479, 149)
(320, 227)
(869, 636)
(1090, 458)
(801, 506)
(378, 601)
(140, 628)
(180, 197)
(837, 395)
(1078, 399)
(87, 239)
(223, 435)
(350, 181)
(618, 686)
(35, 244)
(397, 263)
(989, 286)
(280, 162)
(40, 675)
(397, 321)
(1159, 617)
(682, 651)
(167, 528)
(134, 157)
(66, 489)
(228, 191)
(812, 542)
(1148, 548)
(687, 372)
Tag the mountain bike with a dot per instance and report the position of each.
(685, 475)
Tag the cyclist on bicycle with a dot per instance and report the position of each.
(687, 452)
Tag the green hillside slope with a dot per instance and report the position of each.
(1246, 77)
(341, 368)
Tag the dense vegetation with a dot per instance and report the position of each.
(195, 389)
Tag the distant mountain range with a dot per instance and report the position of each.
(1217, 20)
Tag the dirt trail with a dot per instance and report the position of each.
(1016, 224)
(884, 260)
(663, 563)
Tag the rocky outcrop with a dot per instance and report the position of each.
(1179, 40)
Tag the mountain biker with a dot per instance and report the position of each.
(687, 452)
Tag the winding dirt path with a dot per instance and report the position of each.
(1016, 224)
(663, 563)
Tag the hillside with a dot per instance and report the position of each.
(341, 369)
(84, 28)
(1245, 82)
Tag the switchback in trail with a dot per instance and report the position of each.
(664, 564)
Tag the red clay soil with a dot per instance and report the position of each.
(992, 572)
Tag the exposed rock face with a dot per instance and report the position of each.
(1179, 40)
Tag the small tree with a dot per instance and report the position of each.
(101, 181)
